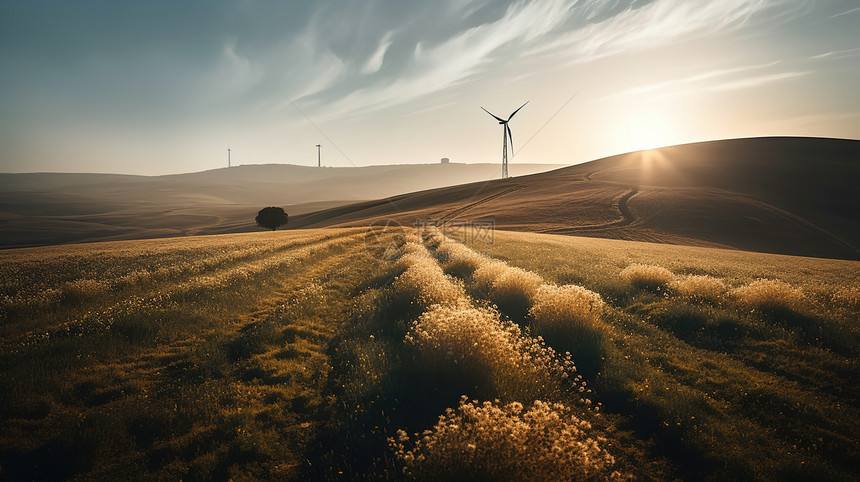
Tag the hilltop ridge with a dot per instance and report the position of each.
(787, 195)
(52, 208)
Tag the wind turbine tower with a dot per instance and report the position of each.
(506, 137)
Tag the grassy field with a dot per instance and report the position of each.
(298, 355)
(754, 194)
(738, 363)
(180, 358)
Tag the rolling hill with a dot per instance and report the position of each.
(298, 355)
(775, 194)
(52, 208)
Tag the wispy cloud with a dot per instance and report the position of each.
(480, 38)
(655, 24)
(684, 84)
(235, 73)
(436, 67)
(837, 54)
(718, 80)
(309, 64)
(293, 68)
(465, 8)
(853, 10)
(756, 81)
(235, 70)
(374, 63)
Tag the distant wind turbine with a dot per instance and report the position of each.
(506, 137)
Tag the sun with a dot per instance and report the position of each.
(645, 130)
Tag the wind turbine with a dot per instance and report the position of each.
(506, 136)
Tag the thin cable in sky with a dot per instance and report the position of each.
(545, 123)
(320, 131)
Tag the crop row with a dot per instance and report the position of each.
(62, 271)
(648, 361)
(104, 318)
(530, 426)
(568, 317)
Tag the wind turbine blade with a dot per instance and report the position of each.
(510, 137)
(509, 118)
(488, 112)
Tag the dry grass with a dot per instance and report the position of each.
(215, 371)
(135, 278)
(452, 348)
(409, 254)
(477, 342)
(770, 295)
(516, 285)
(750, 382)
(458, 259)
(487, 274)
(569, 318)
(83, 289)
(423, 281)
(432, 237)
(646, 276)
(567, 306)
(490, 441)
(848, 297)
(225, 359)
(699, 288)
(511, 288)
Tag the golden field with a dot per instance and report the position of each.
(297, 355)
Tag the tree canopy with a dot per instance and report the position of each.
(271, 218)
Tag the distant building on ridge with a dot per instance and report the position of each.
(445, 160)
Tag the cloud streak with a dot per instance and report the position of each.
(655, 24)
(567, 31)
(757, 81)
(837, 54)
(374, 63)
(195, 78)
(436, 67)
(705, 81)
(848, 12)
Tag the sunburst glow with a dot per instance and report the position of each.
(645, 130)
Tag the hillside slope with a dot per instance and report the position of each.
(779, 195)
(51, 208)
(298, 355)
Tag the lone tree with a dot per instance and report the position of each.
(271, 218)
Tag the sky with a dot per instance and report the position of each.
(159, 87)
